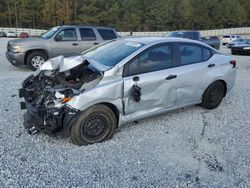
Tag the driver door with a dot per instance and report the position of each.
(152, 71)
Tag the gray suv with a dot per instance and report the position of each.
(60, 40)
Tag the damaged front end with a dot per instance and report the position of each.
(47, 91)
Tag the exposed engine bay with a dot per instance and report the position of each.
(47, 92)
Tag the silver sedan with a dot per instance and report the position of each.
(120, 81)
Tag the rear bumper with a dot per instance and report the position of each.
(15, 58)
(232, 79)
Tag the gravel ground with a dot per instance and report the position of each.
(190, 147)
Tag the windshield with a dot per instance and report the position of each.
(112, 52)
(50, 32)
(175, 34)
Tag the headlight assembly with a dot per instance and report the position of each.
(15, 49)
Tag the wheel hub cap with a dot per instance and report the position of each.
(94, 126)
(37, 61)
(215, 95)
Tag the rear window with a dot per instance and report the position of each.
(175, 34)
(87, 34)
(188, 35)
(107, 34)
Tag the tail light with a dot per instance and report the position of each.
(233, 62)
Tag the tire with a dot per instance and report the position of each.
(86, 129)
(213, 95)
(36, 59)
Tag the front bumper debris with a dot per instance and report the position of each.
(46, 93)
(49, 121)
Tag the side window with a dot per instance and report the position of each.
(67, 35)
(87, 34)
(206, 54)
(190, 54)
(131, 68)
(156, 58)
(107, 34)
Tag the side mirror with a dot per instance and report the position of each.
(58, 38)
(136, 78)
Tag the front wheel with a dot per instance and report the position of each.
(35, 60)
(96, 124)
(213, 95)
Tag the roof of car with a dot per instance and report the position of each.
(183, 31)
(148, 40)
(93, 26)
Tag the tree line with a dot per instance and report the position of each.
(126, 15)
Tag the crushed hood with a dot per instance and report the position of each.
(65, 64)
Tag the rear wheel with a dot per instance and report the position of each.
(35, 60)
(213, 95)
(96, 124)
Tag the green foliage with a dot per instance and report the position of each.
(127, 15)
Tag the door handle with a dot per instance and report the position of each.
(211, 65)
(170, 77)
(95, 43)
(75, 44)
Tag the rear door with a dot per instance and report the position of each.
(194, 69)
(65, 43)
(151, 72)
(88, 38)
